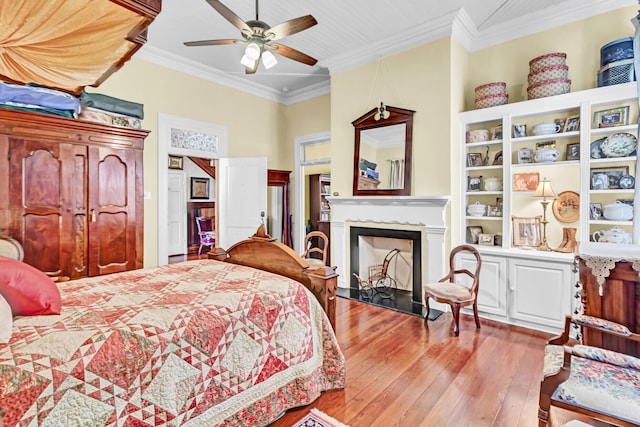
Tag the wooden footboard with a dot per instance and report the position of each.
(265, 253)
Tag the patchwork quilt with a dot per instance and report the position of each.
(200, 343)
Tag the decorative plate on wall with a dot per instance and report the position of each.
(566, 207)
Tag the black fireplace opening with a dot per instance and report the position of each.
(398, 299)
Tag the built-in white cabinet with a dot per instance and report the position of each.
(520, 284)
(534, 292)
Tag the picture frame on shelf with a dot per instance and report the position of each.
(199, 188)
(572, 124)
(573, 151)
(545, 144)
(494, 210)
(519, 131)
(496, 132)
(613, 176)
(497, 159)
(485, 239)
(525, 181)
(611, 117)
(473, 233)
(474, 183)
(525, 155)
(176, 162)
(595, 211)
(474, 159)
(526, 231)
(560, 123)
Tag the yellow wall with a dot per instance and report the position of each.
(417, 79)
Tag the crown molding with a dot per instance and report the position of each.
(192, 68)
(413, 37)
(554, 16)
(309, 92)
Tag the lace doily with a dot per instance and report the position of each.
(601, 267)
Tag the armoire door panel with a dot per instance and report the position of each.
(42, 179)
(43, 183)
(112, 209)
(41, 240)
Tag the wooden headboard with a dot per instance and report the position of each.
(265, 253)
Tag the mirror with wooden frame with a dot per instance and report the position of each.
(382, 155)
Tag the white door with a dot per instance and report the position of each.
(177, 214)
(241, 198)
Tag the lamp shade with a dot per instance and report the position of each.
(268, 59)
(544, 190)
(252, 51)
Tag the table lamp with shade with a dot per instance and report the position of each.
(545, 191)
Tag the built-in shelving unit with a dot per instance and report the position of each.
(524, 285)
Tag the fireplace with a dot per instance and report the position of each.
(420, 219)
(357, 233)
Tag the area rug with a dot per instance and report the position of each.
(317, 418)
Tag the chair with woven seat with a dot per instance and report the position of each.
(600, 383)
(459, 288)
(205, 232)
(11, 248)
(316, 244)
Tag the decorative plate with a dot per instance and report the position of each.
(566, 207)
(596, 150)
(626, 181)
(618, 145)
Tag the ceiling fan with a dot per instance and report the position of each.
(259, 37)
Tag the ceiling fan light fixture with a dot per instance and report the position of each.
(252, 51)
(268, 59)
(248, 62)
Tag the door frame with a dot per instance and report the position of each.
(197, 132)
(301, 143)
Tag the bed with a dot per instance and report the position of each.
(201, 343)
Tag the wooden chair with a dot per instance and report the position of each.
(454, 293)
(11, 248)
(316, 242)
(593, 381)
(205, 232)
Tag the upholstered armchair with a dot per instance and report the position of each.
(599, 383)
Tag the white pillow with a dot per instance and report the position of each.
(6, 321)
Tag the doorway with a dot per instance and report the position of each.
(312, 156)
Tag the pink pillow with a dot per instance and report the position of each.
(28, 290)
(6, 321)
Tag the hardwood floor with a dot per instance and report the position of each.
(402, 371)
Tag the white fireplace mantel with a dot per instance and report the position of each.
(424, 213)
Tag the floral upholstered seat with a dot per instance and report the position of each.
(597, 382)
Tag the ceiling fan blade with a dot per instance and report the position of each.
(291, 53)
(290, 27)
(230, 16)
(212, 42)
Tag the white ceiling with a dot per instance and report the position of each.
(348, 33)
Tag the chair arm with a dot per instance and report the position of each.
(601, 324)
(604, 356)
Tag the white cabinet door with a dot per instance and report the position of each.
(492, 289)
(540, 292)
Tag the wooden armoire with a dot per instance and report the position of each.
(72, 193)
